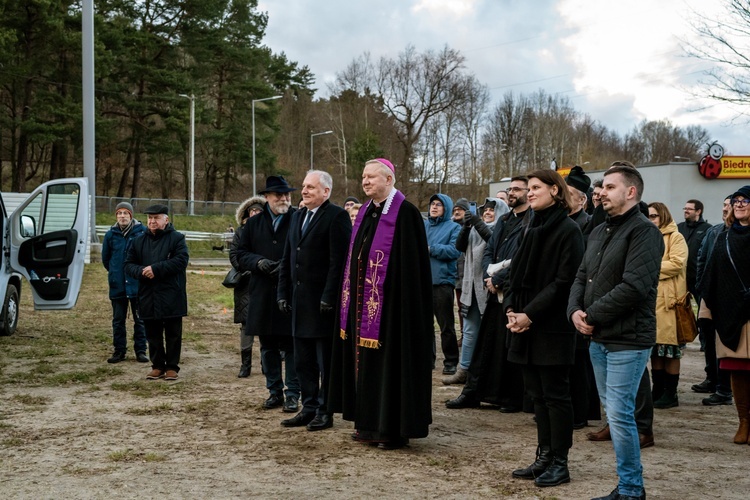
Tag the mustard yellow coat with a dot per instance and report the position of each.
(672, 283)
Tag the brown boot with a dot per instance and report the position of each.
(457, 378)
(600, 435)
(741, 392)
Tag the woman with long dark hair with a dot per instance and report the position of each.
(542, 339)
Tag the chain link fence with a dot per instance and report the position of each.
(107, 204)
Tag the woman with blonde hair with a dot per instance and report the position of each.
(665, 357)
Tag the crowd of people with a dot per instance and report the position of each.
(565, 292)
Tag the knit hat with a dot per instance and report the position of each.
(578, 179)
(127, 206)
(743, 191)
(351, 198)
(463, 204)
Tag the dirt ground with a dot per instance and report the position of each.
(72, 426)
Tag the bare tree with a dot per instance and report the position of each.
(723, 41)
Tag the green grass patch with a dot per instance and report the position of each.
(83, 377)
(153, 410)
(147, 388)
(206, 406)
(130, 455)
(28, 399)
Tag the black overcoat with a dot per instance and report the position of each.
(165, 295)
(311, 269)
(260, 241)
(544, 295)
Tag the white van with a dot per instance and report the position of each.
(44, 240)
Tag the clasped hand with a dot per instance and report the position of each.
(518, 322)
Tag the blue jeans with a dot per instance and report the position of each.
(471, 329)
(119, 333)
(618, 375)
(270, 357)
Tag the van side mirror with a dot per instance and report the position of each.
(28, 227)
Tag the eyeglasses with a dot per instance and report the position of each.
(688, 209)
(436, 204)
(740, 202)
(516, 190)
(653, 216)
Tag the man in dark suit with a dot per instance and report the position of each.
(309, 283)
(261, 248)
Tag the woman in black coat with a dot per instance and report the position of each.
(541, 338)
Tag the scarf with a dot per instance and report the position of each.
(125, 230)
(530, 254)
(377, 267)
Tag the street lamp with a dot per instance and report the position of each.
(311, 144)
(253, 113)
(192, 151)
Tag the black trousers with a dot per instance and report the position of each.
(583, 393)
(549, 389)
(164, 342)
(312, 360)
(644, 406)
(442, 304)
(720, 378)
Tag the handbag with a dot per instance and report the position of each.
(687, 328)
(233, 278)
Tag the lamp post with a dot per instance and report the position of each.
(255, 192)
(311, 144)
(192, 151)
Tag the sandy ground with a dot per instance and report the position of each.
(206, 436)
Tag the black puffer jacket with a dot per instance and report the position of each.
(616, 283)
(164, 296)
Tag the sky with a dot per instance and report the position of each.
(619, 62)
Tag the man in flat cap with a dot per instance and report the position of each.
(260, 251)
(158, 260)
(123, 290)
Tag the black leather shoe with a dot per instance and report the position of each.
(141, 357)
(704, 387)
(320, 422)
(273, 402)
(462, 401)
(291, 405)
(540, 465)
(117, 357)
(509, 409)
(580, 425)
(555, 475)
(449, 369)
(395, 444)
(301, 419)
(615, 495)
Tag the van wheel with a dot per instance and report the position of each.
(9, 314)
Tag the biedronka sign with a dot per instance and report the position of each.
(717, 166)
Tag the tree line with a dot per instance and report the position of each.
(424, 110)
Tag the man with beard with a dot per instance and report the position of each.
(491, 378)
(309, 281)
(261, 248)
(693, 229)
(381, 373)
(158, 260)
(613, 300)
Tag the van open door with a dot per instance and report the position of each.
(49, 233)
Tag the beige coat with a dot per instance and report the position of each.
(722, 351)
(672, 283)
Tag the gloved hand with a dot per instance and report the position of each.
(463, 310)
(284, 306)
(268, 266)
(470, 219)
(325, 307)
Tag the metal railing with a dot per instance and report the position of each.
(179, 207)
